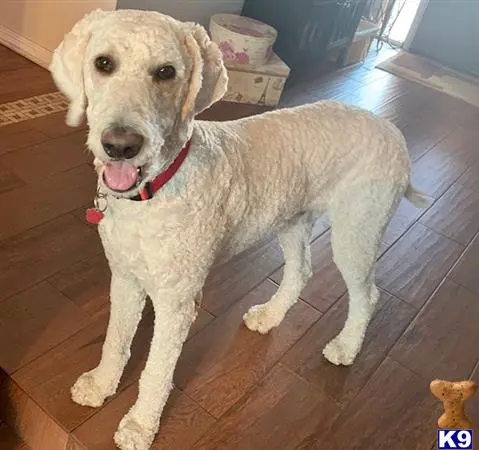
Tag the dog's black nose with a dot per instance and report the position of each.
(121, 142)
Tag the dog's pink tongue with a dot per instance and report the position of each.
(120, 175)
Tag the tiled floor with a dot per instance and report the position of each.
(236, 389)
(32, 107)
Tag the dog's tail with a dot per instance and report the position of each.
(417, 198)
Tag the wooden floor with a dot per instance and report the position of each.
(235, 389)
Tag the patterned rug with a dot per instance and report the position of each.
(32, 107)
(433, 75)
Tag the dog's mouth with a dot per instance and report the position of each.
(122, 176)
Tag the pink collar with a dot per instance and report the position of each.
(95, 215)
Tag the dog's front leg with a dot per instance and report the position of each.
(174, 315)
(127, 302)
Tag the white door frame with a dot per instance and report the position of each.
(415, 24)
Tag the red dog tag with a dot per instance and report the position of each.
(94, 216)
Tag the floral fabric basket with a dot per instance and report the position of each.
(242, 40)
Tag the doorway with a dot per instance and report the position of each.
(402, 18)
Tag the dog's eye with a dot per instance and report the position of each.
(104, 64)
(164, 73)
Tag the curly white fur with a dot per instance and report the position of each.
(241, 181)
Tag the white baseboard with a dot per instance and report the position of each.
(25, 47)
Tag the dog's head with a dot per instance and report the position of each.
(141, 77)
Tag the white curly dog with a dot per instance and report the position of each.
(182, 194)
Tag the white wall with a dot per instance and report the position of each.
(186, 10)
(34, 28)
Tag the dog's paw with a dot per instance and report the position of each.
(339, 352)
(87, 392)
(262, 318)
(132, 436)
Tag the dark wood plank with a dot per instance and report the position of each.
(455, 215)
(394, 411)
(465, 271)
(413, 267)
(350, 85)
(389, 97)
(425, 127)
(404, 217)
(48, 379)
(9, 60)
(53, 125)
(326, 285)
(41, 252)
(80, 212)
(8, 439)
(17, 127)
(442, 341)
(47, 127)
(37, 162)
(338, 87)
(439, 168)
(229, 282)
(29, 421)
(182, 423)
(203, 318)
(365, 76)
(470, 178)
(34, 321)
(8, 180)
(391, 318)
(282, 412)
(87, 283)
(25, 82)
(320, 227)
(74, 444)
(46, 199)
(423, 117)
(15, 137)
(224, 360)
(462, 113)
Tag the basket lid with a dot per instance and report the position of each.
(245, 26)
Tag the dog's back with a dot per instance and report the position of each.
(294, 160)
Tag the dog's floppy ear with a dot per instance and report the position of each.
(209, 79)
(67, 64)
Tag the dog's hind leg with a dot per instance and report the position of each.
(127, 303)
(294, 241)
(358, 220)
